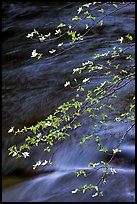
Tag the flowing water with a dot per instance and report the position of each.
(32, 89)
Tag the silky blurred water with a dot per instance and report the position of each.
(32, 89)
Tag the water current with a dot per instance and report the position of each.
(32, 89)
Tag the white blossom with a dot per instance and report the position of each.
(48, 35)
(67, 83)
(30, 35)
(25, 154)
(39, 135)
(75, 70)
(57, 31)
(11, 129)
(116, 151)
(48, 123)
(34, 166)
(42, 39)
(38, 163)
(34, 53)
(79, 10)
(100, 67)
(113, 171)
(86, 63)
(96, 194)
(87, 5)
(75, 191)
(44, 163)
(95, 164)
(121, 39)
(60, 44)
(14, 154)
(52, 51)
(85, 80)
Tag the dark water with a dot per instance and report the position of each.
(31, 90)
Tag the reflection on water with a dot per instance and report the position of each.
(31, 90)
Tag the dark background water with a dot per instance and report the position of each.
(31, 90)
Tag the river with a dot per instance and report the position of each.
(32, 89)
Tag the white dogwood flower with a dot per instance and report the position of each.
(42, 39)
(25, 154)
(85, 80)
(30, 35)
(60, 44)
(75, 191)
(79, 10)
(67, 83)
(14, 154)
(58, 32)
(44, 163)
(113, 171)
(48, 35)
(120, 39)
(86, 63)
(95, 164)
(11, 129)
(34, 53)
(96, 194)
(52, 51)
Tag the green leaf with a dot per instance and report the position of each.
(88, 109)
(77, 125)
(86, 187)
(123, 71)
(96, 56)
(87, 5)
(101, 10)
(129, 57)
(95, 187)
(61, 25)
(85, 138)
(93, 115)
(104, 180)
(104, 116)
(81, 172)
(132, 117)
(91, 17)
(47, 149)
(35, 31)
(93, 164)
(113, 95)
(95, 126)
(105, 164)
(76, 18)
(87, 26)
(39, 55)
(28, 138)
(129, 37)
(103, 150)
(80, 88)
(116, 150)
(111, 107)
(105, 171)
(131, 107)
(101, 22)
(97, 139)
